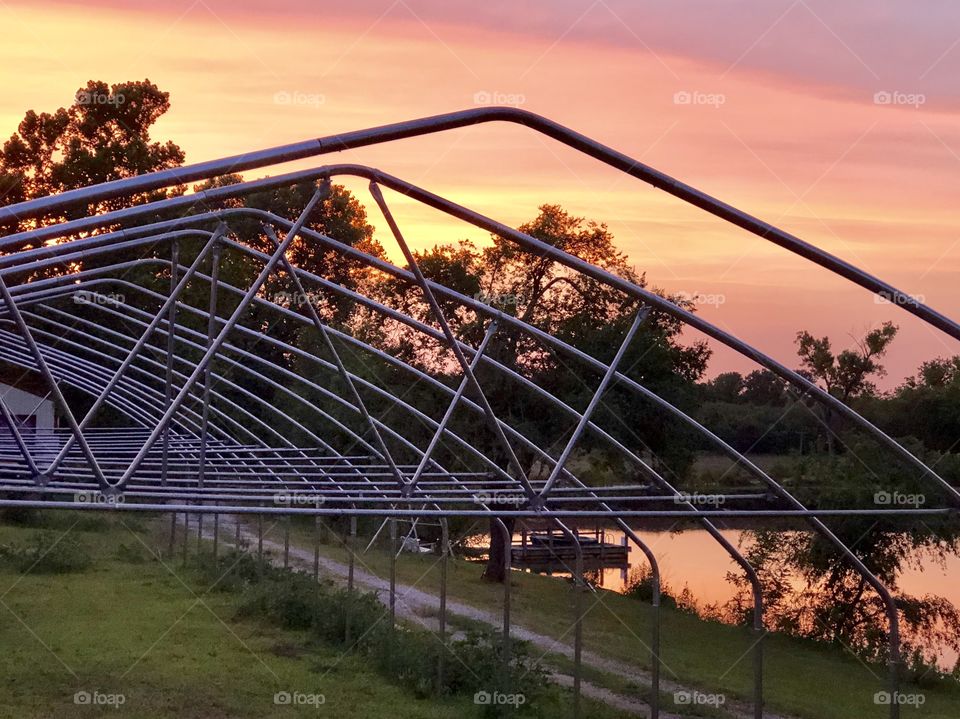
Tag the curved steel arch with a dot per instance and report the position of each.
(92, 371)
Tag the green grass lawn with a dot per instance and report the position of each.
(130, 626)
(801, 678)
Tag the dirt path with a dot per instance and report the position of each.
(421, 607)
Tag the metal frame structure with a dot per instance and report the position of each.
(196, 442)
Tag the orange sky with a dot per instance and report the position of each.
(783, 124)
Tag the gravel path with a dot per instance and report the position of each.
(421, 607)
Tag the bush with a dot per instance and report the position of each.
(47, 554)
(294, 600)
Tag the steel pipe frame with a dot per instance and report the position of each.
(451, 342)
(508, 233)
(250, 416)
(273, 408)
(655, 643)
(743, 563)
(490, 225)
(895, 294)
(345, 376)
(465, 118)
(91, 413)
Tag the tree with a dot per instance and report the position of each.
(846, 375)
(104, 135)
(763, 387)
(725, 387)
(936, 373)
(583, 312)
(812, 590)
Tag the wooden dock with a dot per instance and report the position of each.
(546, 551)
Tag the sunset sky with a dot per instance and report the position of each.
(836, 121)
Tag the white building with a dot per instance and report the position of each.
(34, 414)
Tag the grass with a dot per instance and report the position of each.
(155, 640)
(128, 626)
(801, 678)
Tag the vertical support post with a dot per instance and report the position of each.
(199, 534)
(260, 536)
(316, 546)
(216, 534)
(505, 654)
(758, 659)
(351, 539)
(442, 616)
(205, 415)
(286, 542)
(393, 572)
(352, 548)
(236, 540)
(186, 535)
(578, 589)
(171, 350)
(173, 534)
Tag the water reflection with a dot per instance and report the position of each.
(693, 560)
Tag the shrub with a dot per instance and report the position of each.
(410, 657)
(47, 554)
